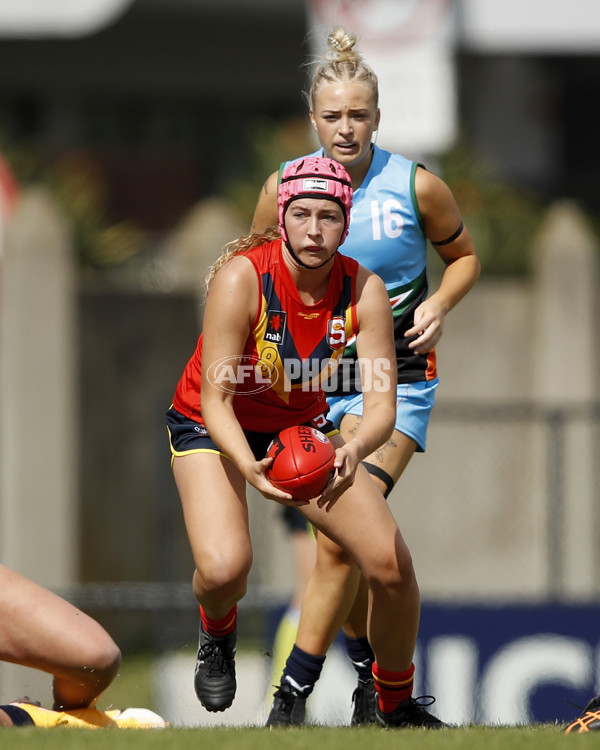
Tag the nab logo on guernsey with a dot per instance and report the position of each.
(276, 323)
(243, 374)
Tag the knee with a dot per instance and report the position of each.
(103, 661)
(393, 569)
(224, 574)
(110, 659)
(99, 663)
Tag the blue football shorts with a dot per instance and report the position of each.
(413, 409)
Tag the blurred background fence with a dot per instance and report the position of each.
(490, 514)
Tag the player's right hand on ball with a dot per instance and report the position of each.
(257, 477)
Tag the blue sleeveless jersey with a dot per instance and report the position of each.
(386, 236)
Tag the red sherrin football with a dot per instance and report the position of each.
(303, 461)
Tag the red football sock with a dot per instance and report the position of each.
(392, 687)
(221, 627)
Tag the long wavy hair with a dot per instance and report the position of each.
(236, 247)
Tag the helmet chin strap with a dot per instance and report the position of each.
(308, 268)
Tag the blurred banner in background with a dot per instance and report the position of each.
(533, 26)
(64, 18)
(410, 46)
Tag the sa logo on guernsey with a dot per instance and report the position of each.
(336, 332)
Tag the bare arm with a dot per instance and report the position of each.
(230, 310)
(442, 219)
(265, 213)
(377, 357)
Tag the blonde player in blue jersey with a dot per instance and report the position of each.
(398, 207)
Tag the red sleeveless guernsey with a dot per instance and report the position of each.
(291, 349)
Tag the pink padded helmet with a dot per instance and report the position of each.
(315, 177)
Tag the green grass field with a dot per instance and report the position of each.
(132, 687)
(469, 738)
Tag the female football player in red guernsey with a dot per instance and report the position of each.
(280, 308)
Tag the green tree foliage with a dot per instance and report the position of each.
(268, 144)
(501, 218)
(79, 188)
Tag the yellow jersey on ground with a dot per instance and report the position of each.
(92, 718)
